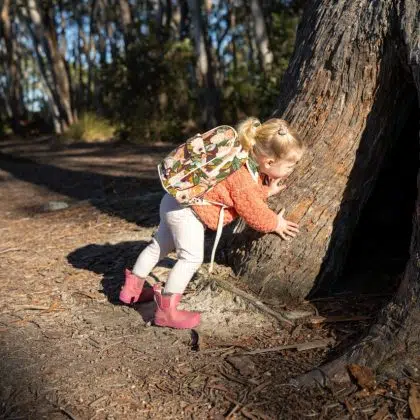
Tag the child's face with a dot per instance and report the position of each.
(280, 168)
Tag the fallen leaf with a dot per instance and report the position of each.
(414, 401)
(363, 375)
(381, 413)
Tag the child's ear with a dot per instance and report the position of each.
(268, 163)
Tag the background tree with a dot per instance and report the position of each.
(154, 69)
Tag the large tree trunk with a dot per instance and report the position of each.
(347, 91)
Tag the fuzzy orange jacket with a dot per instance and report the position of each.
(243, 197)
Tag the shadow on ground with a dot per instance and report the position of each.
(133, 198)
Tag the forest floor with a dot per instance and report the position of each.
(71, 219)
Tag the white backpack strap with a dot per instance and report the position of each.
(218, 235)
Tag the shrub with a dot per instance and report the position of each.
(90, 128)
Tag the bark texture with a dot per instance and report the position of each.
(392, 345)
(14, 94)
(52, 65)
(348, 94)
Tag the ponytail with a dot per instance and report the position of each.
(273, 138)
(247, 132)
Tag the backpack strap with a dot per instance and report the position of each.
(219, 228)
(218, 235)
(253, 170)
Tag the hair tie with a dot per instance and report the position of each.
(257, 123)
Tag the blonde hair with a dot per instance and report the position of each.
(274, 138)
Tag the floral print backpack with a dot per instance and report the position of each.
(196, 166)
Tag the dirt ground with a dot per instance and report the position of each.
(71, 220)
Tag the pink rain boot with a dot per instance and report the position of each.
(133, 290)
(167, 315)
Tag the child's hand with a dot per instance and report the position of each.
(284, 227)
(275, 186)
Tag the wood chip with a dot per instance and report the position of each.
(382, 413)
(243, 364)
(414, 401)
(363, 375)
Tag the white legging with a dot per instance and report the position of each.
(179, 229)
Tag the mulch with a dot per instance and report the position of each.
(69, 350)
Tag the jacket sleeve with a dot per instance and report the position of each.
(248, 200)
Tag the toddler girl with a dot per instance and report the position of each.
(274, 150)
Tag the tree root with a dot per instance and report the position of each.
(391, 349)
(329, 375)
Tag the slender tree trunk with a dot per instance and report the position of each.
(126, 23)
(58, 65)
(336, 93)
(261, 37)
(163, 20)
(56, 78)
(252, 47)
(14, 91)
(205, 72)
(91, 50)
(184, 24)
(168, 21)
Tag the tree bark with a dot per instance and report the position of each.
(163, 20)
(41, 25)
(184, 22)
(347, 94)
(126, 23)
(350, 86)
(14, 93)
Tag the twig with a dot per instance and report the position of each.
(98, 400)
(242, 408)
(3, 251)
(30, 307)
(298, 346)
(68, 414)
(338, 318)
(257, 303)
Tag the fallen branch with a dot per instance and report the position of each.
(316, 344)
(254, 301)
